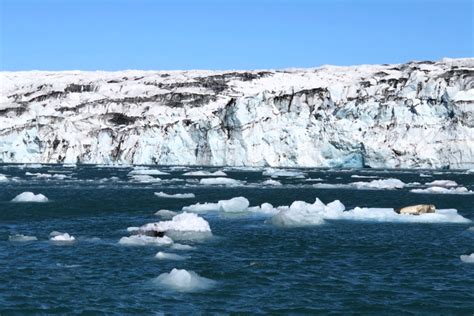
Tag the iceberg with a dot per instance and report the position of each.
(220, 181)
(30, 197)
(184, 281)
(175, 196)
(468, 258)
(143, 240)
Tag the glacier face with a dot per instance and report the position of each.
(414, 115)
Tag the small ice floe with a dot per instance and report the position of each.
(275, 173)
(21, 238)
(468, 258)
(133, 229)
(184, 281)
(272, 182)
(166, 214)
(380, 184)
(314, 180)
(442, 183)
(265, 208)
(425, 175)
(175, 196)
(30, 197)
(202, 173)
(442, 190)
(3, 178)
(237, 204)
(221, 181)
(61, 237)
(356, 176)
(300, 213)
(178, 246)
(69, 165)
(143, 240)
(144, 179)
(150, 172)
(168, 256)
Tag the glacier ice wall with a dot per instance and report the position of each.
(419, 114)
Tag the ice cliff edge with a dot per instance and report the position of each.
(413, 115)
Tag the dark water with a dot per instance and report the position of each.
(341, 266)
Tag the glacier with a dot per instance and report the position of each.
(413, 115)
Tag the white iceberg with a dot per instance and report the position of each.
(64, 237)
(184, 281)
(21, 238)
(275, 173)
(178, 246)
(181, 222)
(220, 181)
(442, 190)
(237, 204)
(468, 258)
(201, 207)
(30, 197)
(3, 178)
(143, 240)
(150, 172)
(380, 184)
(442, 183)
(175, 196)
(167, 214)
(272, 182)
(200, 173)
(168, 256)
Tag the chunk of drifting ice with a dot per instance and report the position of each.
(237, 204)
(166, 214)
(168, 256)
(271, 182)
(265, 208)
(441, 190)
(144, 178)
(177, 246)
(380, 184)
(182, 222)
(65, 237)
(218, 173)
(442, 183)
(300, 213)
(133, 229)
(220, 181)
(3, 178)
(201, 207)
(175, 196)
(184, 281)
(275, 173)
(30, 197)
(150, 172)
(21, 238)
(468, 258)
(142, 240)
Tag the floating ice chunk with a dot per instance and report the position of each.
(133, 229)
(218, 173)
(468, 258)
(144, 178)
(275, 173)
(142, 240)
(332, 186)
(3, 178)
(313, 179)
(380, 184)
(55, 233)
(177, 246)
(169, 256)
(441, 190)
(21, 238)
(201, 207)
(425, 175)
(175, 196)
(69, 165)
(150, 172)
(65, 237)
(299, 213)
(442, 183)
(220, 181)
(30, 197)
(363, 177)
(237, 204)
(184, 281)
(272, 182)
(166, 214)
(265, 208)
(181, 222)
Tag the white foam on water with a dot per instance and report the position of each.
(442, 183)
(468, 258)
(178, 246)
(64, 237)
(184, 281)
(150, 172)
(21, 238)
(168, 256)
(220, 181)
(237, 204)
(166, 214)
(200, 173)
(272, 182)
(142, 240)
(442, 190)
(30, 197)
(175, 196)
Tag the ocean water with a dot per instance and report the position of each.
(249, 265)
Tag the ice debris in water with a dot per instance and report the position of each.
(167, 214)
(3, 178)
(380, 184)
(150, 172)
(220, 181)
(184, 281)
(275, 173)
(218, 173)
(442, 190)
(178, 246)
(144, 178)
(265, 208)
(65, 237)
(21, 238)
(169, 256)
(30, 197)
(181, 222)
(237, 204)
(442, 183)
(300, 213)
(468, 258)
(143, 240)
(175, 196)
(272, 182)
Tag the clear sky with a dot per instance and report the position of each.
(219, 34)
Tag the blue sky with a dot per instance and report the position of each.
(218, 34)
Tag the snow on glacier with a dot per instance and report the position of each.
(413, 115)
